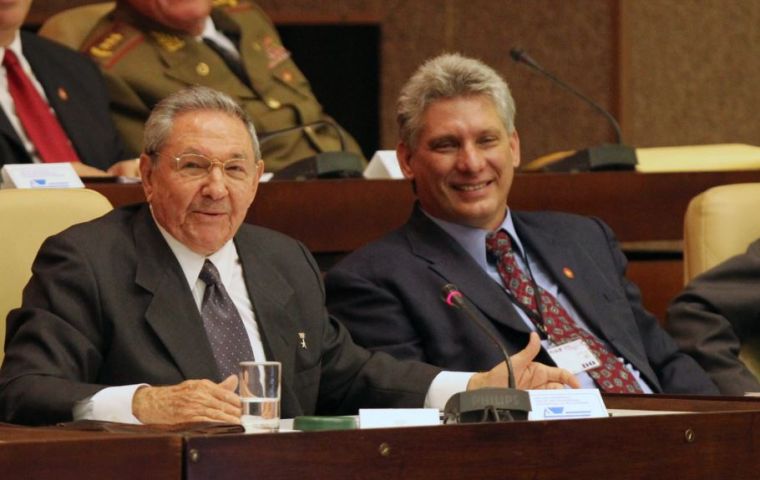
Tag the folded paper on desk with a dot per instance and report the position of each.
(40, 175)
(397, 417)
(200, 428)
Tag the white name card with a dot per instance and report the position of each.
(398, 417)
(566, 404)
(40, 175)
(383, 165)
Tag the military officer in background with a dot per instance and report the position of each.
(148, 49)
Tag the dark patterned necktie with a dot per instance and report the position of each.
(223, 324)
(41, 126)
(611, 376)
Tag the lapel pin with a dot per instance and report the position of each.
(302, 337)
(568, 273)
(63, 94)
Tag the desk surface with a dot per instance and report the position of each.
(721, 440)
(62, 454)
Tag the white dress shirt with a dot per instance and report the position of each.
(115, 403)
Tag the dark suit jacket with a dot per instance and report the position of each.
(388, 295)
(108, 304)
(83, 113)
(715, 312)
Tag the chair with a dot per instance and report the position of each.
(28, 218)
(720, 223)
(71, 27)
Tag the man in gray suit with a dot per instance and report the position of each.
(714, 313)
(143, 315)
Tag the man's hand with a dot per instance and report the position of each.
(190, 401)
(87, 171)
(125, 168)
(529, 375)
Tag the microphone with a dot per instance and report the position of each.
(454, 298)
(604, 157)
(323, 165)
(485, 404)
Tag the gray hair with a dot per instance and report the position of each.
(450, 76)
(190, 99)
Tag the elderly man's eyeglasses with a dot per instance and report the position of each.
(195, 165)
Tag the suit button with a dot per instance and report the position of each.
(273, 103)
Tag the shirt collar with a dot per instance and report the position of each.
(473, 239)
(192, 262)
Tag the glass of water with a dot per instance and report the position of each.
(260, 395)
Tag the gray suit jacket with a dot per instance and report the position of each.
(108, 304)
(716, 310)
(388, 295)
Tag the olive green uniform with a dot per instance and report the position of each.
(144, 62)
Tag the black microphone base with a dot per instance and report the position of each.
(487, 405)
(601, 158)
(324, 165)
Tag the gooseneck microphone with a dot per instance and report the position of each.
(454, 298)
(521, 56)
(485, 404)
(604, 157)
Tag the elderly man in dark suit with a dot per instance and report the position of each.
(144, 314)
(53, 103)
(556, 274)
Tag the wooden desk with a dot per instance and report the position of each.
(65, 454)
(334, 217)
(722, 441)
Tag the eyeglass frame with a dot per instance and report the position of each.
(213, 161)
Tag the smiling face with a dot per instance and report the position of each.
(464, 162)
(186, 15)
(202, 212)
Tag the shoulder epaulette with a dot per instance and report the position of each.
(112, 43)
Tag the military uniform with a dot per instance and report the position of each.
(144, 62)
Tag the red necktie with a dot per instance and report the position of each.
(41, 126)
(611, 376)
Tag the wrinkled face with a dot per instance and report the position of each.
(186, 15)
(464, 162)
(12, 15)
(203, 212)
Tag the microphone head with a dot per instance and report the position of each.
(451, 295)
(516, 54)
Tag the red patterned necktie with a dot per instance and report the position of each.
(39, 123)
(611, 376)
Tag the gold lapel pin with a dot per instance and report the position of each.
(63, 94)
(568, 273)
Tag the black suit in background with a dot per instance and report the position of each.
(715, 312)
(76, 92)
(388, 294)
(108, 304)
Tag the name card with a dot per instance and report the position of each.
(566, 404)
(40, 175)
(398, 417)
(383, 165)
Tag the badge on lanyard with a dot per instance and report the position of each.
(574, 356)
